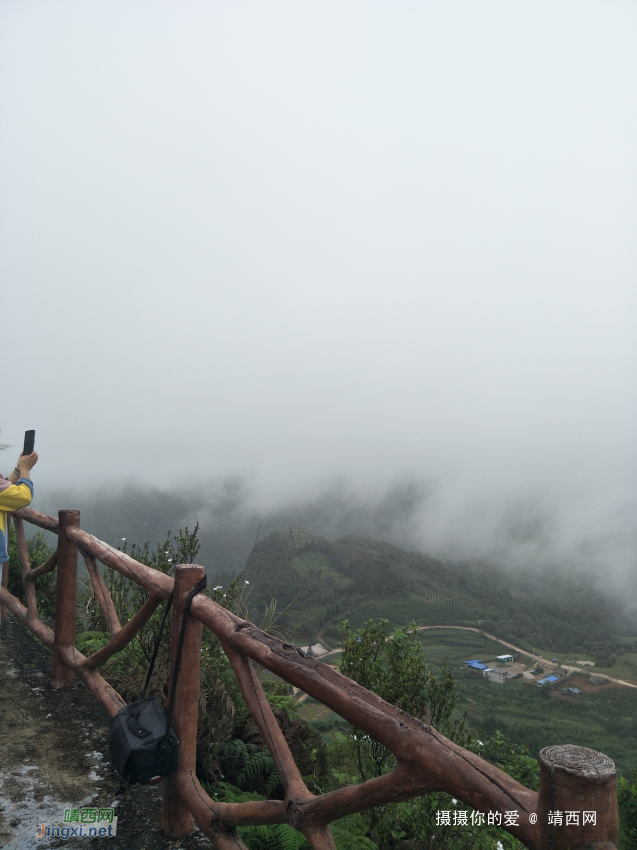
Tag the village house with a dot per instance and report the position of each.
(474, 664)
(496, 674)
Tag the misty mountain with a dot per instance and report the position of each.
(228, 519)
(317, 583)
(366, 578)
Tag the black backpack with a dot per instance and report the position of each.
(143, 746)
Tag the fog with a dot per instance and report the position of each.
(363, 267)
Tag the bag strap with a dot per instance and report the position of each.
(182, 634)
(156, 649)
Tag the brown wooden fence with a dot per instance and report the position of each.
(572, 779)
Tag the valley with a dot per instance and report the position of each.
(463, 612)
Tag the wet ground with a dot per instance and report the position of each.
(54, 755)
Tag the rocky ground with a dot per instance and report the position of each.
(54, 755)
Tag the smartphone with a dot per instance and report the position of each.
(29, 442)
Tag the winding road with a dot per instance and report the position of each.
(536, 658)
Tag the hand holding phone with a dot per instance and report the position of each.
(29, 443)
(29, 457)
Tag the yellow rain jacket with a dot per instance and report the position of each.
(12, 497)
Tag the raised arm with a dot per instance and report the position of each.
(15, 496)
(23, 467)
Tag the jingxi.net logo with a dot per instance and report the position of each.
(81, 823)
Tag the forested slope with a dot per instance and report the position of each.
(317, 583)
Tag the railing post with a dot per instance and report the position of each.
(577, 780)
(176, 818)
(65, 598)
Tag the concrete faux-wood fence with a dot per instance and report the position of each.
(571, 778)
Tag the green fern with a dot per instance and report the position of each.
(259, 764)
(248, 765)
(279, 837)
(273, 783)
(284, 701)
(90, 642)
(227, 793)
(349, 834)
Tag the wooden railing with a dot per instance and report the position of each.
(572, 779)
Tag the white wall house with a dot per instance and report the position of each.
(496, 674)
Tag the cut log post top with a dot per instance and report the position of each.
(577, 803)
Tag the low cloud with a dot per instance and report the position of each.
(524, 534)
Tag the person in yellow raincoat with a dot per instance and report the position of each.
(16, 491)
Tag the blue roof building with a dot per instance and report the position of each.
(548, 680)
(476, 665)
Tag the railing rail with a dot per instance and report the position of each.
(571, 778)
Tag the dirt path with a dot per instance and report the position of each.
(54, 755)
(536, 658)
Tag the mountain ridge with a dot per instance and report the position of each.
(318, 583)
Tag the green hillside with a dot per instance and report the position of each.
(318, 583)
(603, 718)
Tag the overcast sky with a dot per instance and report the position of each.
(303, 242)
